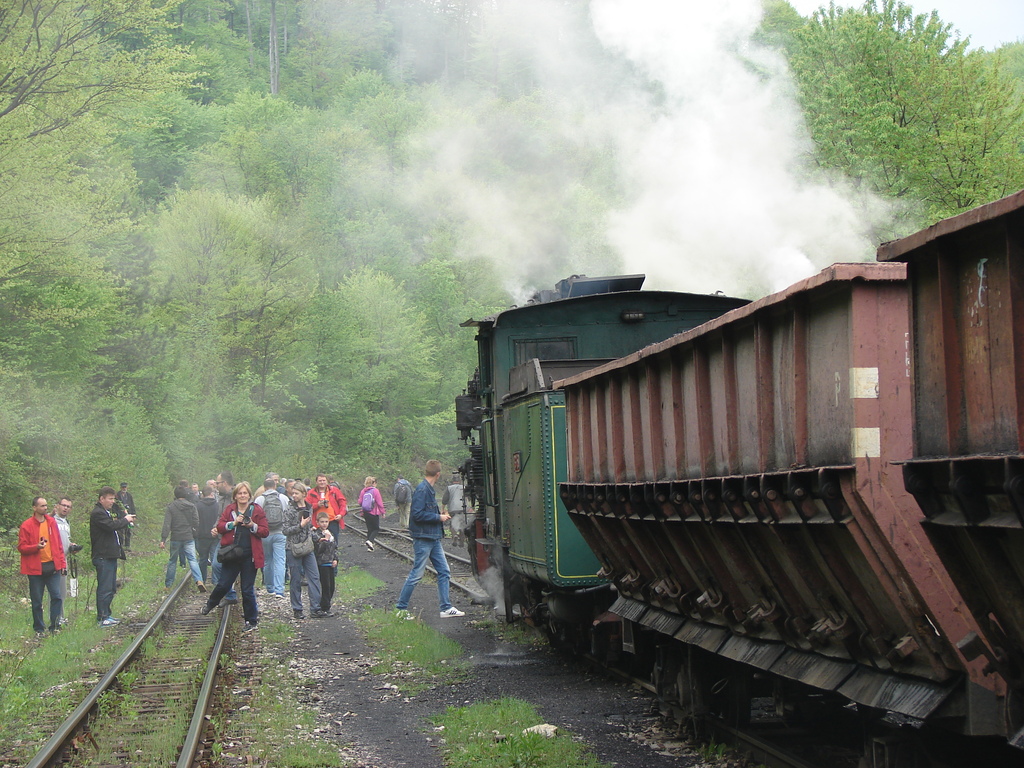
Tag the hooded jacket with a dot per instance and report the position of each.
(181, 520)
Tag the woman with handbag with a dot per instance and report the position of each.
(298, 522)
(242, 526)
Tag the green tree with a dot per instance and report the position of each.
(893, 99)
(234, 274)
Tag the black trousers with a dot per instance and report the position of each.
(372, 525)
(326, 586)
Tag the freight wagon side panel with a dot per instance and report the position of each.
(767, 533)
(966, 278)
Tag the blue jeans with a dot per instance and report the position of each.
(274, 547)
(228, 574)
(106, 584)
(174, 548)
(36, 586)
(304, 567)
(423, 549)
(215, 570)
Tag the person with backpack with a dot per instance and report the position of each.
(275, 545)
(403, 495)
(372, 505)
(181, 519)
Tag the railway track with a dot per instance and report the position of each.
(400, 544)
(151, 706)
(751, 741)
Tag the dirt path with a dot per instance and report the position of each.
(386, 730)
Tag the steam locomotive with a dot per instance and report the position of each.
(815, 499)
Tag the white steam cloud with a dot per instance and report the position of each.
(715, 188)
(722, 195)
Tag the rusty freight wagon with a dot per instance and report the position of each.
(739, 485)
(966, 277)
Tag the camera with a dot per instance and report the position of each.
(74, 548)
(324, 503)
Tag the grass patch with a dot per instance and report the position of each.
(354, 584)
(490, 735)
(419, 656)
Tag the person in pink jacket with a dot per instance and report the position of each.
(243, 523)
(42, 560)
(372, 505)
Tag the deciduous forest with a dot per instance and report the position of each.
(242, 234)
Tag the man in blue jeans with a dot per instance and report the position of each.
(42, 560)
(426, 526)
(106, 529)
(274, 505)
(181, 521)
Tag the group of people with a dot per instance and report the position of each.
(45, 544)
(229, 532)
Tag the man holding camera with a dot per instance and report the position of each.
(106, 528)
(42, 560)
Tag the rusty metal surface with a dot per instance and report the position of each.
(966, 278)
(811, 669)
(914, 698)
(743, 475)
(897, 249)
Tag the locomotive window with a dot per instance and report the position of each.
(545, 349)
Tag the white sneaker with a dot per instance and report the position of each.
(452, 613)
(369, 545)
(404, 614)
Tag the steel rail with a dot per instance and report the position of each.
(55, 745)
(762, 752)
(195, 728)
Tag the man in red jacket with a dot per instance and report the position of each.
(42, 560)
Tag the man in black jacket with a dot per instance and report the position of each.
(106, 526)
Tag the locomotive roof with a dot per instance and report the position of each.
(640, 299)
(900, 250)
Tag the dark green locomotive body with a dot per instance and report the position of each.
(515, 424)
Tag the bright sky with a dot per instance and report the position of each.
(989, 23)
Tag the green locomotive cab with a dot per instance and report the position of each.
(525, 549)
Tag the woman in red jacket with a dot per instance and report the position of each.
(242, 523)
(328, 498)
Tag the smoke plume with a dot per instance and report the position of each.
(711, 185)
